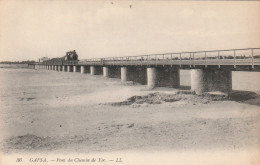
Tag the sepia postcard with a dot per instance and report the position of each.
(129, 82)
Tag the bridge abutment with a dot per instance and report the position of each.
(206, 80)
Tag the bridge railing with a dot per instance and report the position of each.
(249, 56)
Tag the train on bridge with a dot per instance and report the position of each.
(69, 57)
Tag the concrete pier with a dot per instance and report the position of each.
(68, 68)
(124, 74)
(206, 80)
(151, 77)
(60, 68)
(105, 71)
(82, 69)
(163, 77)
(95, 70)
(74, 68)
(63, 68)
(55, 67)
(112, 71)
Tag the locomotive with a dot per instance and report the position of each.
(71, 55)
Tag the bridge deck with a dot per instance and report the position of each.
(232, 58)
(216, 62)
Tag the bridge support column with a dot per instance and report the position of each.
(63, 68)
(206, 80)
(60, 67)
(163, 77)
(131, 74)
(151, 77)
(105, 71)
(95, 70)
(82, 69)
(92, 70)
(68, 68)
(124, 75)
(74, 68)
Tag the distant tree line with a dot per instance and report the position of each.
(18, 62)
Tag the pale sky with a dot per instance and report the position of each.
(33, 29)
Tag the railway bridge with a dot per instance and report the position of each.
(210, 70)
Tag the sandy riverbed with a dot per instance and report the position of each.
(48, 111)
